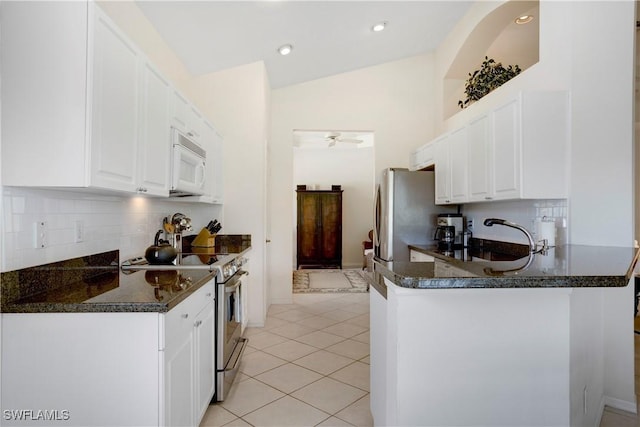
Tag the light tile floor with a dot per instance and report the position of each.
(308, 366)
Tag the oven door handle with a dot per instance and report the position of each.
(236, 281)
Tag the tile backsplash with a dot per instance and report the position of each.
(107, 222)
(523, 212)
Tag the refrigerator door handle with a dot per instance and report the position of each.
(376, 234)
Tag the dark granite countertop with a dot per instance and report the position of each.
(563, 266)
(96, 283)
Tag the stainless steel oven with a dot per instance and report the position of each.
(230, 344)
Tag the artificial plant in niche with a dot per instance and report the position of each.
(490, 76)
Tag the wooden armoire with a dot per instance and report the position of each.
(319, 228)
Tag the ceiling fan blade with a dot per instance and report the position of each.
(350, 140)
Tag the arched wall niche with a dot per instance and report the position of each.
(496, 36)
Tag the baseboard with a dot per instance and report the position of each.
(255, 324)
(287, 300)
(621, 404)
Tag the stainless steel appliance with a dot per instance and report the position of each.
(229, 296)
(188, 171)
(446, 222)
(405, 212)
(230, 344)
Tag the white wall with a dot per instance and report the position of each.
(238, 98)
(394, 100)
(353, 170)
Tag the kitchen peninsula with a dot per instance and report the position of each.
(468, 341)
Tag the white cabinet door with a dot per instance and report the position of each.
(443, 170)
(423, 157)
(458, 161)
(155, 136)
(479, 159)
(215, 158)
(186, 117)
(190, 358)
(506, 151)
(205, 366)
(114, 131)
(179, 389)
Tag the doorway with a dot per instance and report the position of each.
(325, 159)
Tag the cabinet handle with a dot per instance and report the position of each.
(142, 190)
(208, 294)
(184, 316)
(488, 198)
(198, 323)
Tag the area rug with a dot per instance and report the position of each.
(320, 281)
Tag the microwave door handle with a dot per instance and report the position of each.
(203, 170)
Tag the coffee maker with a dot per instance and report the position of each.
(448, 224)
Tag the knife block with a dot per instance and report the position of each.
(204, 239)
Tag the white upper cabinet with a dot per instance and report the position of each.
(505, 153)
(82, 106)
(515, 151)
(80, 80)
(115, 102)
(422, 158)
(443, 169)
(215, 171)
(479, 151)
(187, 118)
(154, 142)
(458, 164)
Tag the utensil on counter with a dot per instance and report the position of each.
(168, 227)
(181, 222)
(161, 252)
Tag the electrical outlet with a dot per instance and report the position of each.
(470, 223)
(78, 232)
(40, 234)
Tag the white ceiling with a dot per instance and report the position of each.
(329, 37)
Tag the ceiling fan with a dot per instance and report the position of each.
(333, 137)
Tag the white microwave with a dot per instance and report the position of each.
(188, 172)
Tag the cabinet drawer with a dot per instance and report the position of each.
(181, 317)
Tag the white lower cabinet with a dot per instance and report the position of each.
(190, 358)
(116, 369)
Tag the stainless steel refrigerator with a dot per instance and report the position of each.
(405, 212)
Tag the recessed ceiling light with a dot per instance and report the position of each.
(524, 19)
(379, 27)
(285, 49)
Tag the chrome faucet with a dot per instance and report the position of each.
(532, 244)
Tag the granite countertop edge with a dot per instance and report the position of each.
(511, 282)
(106, 307)
(421, 276)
